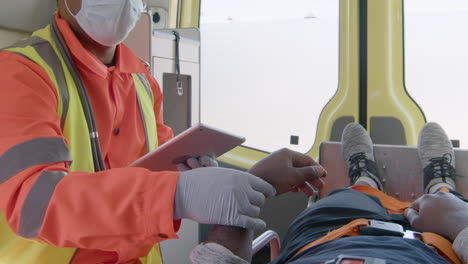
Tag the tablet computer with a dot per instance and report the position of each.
(196, 141)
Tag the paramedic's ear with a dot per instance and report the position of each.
(73, 5)
(288, 170)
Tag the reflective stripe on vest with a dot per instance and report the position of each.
(147, 110)
(42, 49)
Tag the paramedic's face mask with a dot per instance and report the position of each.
(108, 22)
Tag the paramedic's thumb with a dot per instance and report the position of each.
(221, 196)
(308, 173)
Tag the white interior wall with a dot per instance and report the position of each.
(8, 37)
(26, 15)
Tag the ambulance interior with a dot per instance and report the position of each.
(293, 74)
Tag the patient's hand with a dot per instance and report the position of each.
(288, 170)
(441, 213)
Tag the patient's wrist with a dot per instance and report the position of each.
(213, 253)
(237, 240)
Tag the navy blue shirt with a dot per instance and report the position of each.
(394, 250)
(338, 209)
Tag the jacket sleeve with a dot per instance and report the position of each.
(460, 246)
(114, 210)
(164, 132)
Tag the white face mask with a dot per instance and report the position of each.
(108, 22)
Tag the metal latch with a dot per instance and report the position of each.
(412, 235)
(347, 259)
(381, 228)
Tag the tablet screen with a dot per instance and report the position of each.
(196, 141)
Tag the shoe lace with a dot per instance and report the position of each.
(359, 165)
(440, 167)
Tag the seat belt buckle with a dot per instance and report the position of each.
(348, 259)
(381, 228)
(413, 235)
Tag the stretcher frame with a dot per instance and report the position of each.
(398, 166)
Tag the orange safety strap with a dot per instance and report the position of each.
(441, 245)
(443, 189)
(393, 206)
(351, 229)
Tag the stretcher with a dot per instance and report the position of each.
(398, 166)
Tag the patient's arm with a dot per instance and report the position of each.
(441, 213)
(444, 214)
(237, 240)
(286, 170)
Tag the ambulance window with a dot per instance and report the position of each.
(268, 67)
(436, 52)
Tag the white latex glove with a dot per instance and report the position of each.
(195, 163)
(221, 196)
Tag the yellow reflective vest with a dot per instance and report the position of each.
(47, 48)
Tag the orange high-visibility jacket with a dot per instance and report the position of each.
(114, 215)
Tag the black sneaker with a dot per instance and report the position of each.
(437, 157)
(358, 153)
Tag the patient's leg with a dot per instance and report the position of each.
(337, 209)
(358, 154)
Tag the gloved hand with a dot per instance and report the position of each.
(195, 163)
(221, 196)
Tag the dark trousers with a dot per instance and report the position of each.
(339, 208)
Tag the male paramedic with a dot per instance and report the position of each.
(76, 108)
(337, 230)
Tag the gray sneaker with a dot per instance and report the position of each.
(358, 154)
(437, 157)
